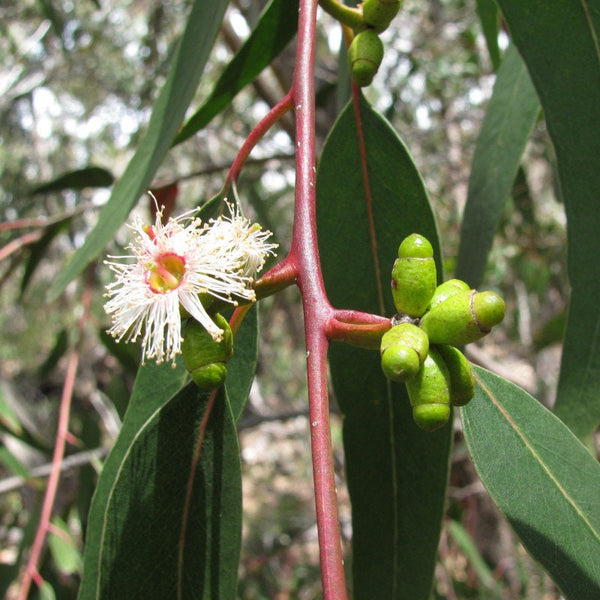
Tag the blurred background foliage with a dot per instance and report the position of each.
(77, 82)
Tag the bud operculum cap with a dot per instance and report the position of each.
(364, 57)
(400, 363)
(489, 309)
(379, 13)
(463, 318)
(403, 351)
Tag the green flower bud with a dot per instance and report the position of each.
(204, 358)
(463, 318)
(447, 289)
(429, 393)
(403, 351)
(379, 13)
(400, 363)
(409, 335)
(414, 276)
(462, 380)
(364, 57)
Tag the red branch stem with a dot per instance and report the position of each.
(317, 309)
(257, 133)
(62, 435)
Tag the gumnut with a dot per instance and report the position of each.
(379, 13)
(403, 351)
(414, 276)
(463, 318)
(364, 57)
(429, 393)
(447, 289)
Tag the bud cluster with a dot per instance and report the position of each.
(366, 50)
(421, 348)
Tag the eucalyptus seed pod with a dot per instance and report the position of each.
(403, 351)
(379, 13)
(414, 276)
(447, 289)
(462, 380)
(463, 318)
(429, 393)
(364, 57)
(204, 358)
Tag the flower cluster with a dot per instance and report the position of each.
(176, 265)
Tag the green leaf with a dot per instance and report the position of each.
(12, 463)
(168, 112)
(77, 180)
(63, 548)
(242, 366)
(542, 478)
(559, 44)
(465, 542)
(511, 115)
(39, 250)
(274, 30)
(489, 17)
(396, 472)
(144, 539)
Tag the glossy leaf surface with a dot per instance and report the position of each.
(145, 539)
(542, 478)
(511, 115)
(559, 42)
(168, 112)
(396, 472)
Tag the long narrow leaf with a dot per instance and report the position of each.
(275, 29)
(542, 478)
(489, 17)
(511, 115)
(197, 40)
(559, 42)
(396, 472)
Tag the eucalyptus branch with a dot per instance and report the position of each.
(346, 15)
(317, 310)
(280, 109)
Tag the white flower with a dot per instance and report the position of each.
(173, 264)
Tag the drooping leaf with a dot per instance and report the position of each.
(559, 44)
(511, 115)
(274, 30)
(489, 17)
(396, 472)
(77, 180)
(197, 40)
(146, 537)
(542, 478)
